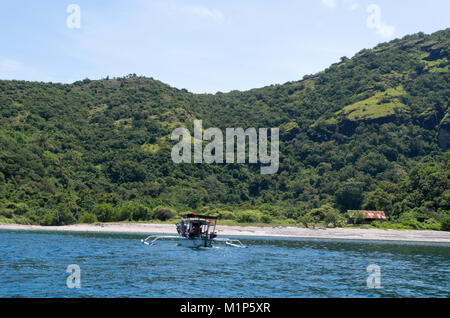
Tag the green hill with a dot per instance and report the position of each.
(368, 132)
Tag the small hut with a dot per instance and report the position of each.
(369, 216)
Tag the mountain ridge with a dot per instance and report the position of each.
(351, 136)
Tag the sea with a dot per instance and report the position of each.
(78, 265)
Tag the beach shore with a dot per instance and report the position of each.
(223, 230)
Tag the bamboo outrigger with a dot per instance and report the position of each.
(196, 231)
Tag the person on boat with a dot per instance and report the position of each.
(195, 230)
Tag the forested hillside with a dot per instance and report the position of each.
(368, 132)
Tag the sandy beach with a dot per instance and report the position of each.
(223, 230)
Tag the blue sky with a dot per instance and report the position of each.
(203, 46)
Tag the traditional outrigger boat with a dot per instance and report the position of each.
(196, 231)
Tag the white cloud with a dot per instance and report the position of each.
(329, 3)
(353, 6)
(374, 22)
(200, 11)
(213, 14)
(386, 31)
(350, 4)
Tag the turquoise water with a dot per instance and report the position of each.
(33, 264)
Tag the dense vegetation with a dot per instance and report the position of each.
(368, 132)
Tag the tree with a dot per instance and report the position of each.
(87, 218)
(445, 224)
(333, 216)
(163, 213)
(104, 212)
(133, 211)
(357, 217)
(349, 196)
(379, 200)
(306, 220)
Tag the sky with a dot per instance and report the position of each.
(204, 46)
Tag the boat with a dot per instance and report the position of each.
(196, 231)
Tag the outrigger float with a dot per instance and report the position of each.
(195, 231)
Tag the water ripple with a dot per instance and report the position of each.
(33, 264)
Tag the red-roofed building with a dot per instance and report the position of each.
(370, 216)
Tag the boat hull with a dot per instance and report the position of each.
(194, 242)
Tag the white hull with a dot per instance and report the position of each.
(194, 242)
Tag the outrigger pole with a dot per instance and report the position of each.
(154, 238)
(151, 240)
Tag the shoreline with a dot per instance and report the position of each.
(250, 231)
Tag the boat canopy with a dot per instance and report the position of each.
(200, 217)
